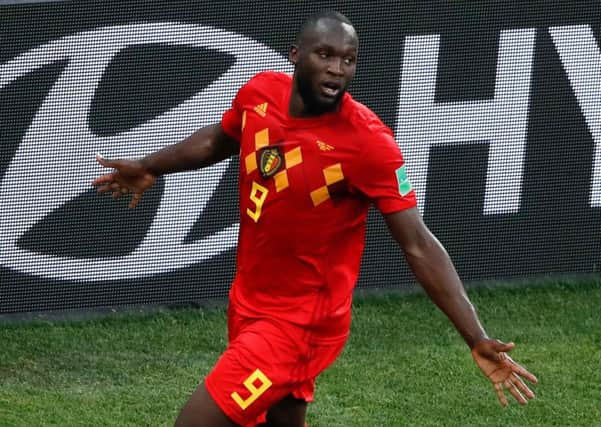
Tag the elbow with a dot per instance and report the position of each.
(421, 245)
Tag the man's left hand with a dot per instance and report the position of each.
(492, 359)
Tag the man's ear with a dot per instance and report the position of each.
(293, 54)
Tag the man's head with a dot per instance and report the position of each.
(324, 57)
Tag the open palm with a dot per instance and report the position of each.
(128, 176)
(494, 362)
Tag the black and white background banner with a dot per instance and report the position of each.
(496, 106)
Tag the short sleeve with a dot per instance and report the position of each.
(231, 120)
(379, 173)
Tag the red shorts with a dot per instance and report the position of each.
(265, 361)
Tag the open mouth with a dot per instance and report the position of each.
(330, 89)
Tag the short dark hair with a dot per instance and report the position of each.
(312, 20)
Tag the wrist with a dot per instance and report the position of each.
(472, 341)
(147, 164)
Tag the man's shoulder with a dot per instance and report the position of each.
(363, 119)
(266, 86)
(269, 78)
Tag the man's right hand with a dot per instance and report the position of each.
(128, 176)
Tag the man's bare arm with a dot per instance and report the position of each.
(435, 272)
(203, 148)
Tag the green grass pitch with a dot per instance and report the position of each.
(404, 364)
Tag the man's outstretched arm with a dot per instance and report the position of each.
(204, 147)
(435, 272)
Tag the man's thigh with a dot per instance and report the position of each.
(261, 366)
(268, 368)
(201, 411)
(288, 412)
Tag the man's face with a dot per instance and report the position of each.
(325, 63)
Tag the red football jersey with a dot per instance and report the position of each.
(305, 188)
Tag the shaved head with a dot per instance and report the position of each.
(319, 19)
(324, 57)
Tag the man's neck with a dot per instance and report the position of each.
(297, 107)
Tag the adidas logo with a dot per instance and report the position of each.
(323, 146)
(261, 109)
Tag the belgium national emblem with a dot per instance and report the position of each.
(270, 161)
